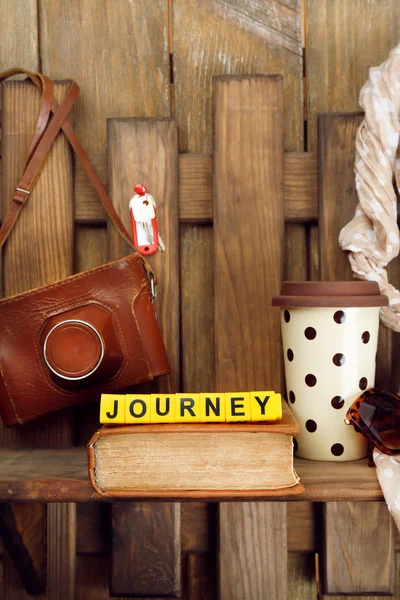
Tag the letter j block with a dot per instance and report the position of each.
(112, 408)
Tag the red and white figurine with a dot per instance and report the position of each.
(142, 207)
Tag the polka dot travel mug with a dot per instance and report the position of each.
(330, 338)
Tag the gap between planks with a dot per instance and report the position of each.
(195, 189)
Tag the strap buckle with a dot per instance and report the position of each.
(153, 290)
(21, 201)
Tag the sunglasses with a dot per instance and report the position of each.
(376, 415)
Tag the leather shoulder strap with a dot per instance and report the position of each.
(39, 151)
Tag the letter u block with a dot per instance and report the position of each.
(187, 408)
(237, 405)
(112, 408)
(212, 408)
(162, 408)
(137, 409)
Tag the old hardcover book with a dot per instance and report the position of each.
(205, 460)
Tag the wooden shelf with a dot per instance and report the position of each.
(60, 475)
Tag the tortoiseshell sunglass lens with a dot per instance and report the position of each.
(378, 416)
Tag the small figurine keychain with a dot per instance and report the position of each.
(142, 207)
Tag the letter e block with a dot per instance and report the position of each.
(137, 409)
(187, 408)
(112, 408)
(162, 408)
(212, 408)
(237, 406)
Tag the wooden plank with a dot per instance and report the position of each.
(73, 37)
(251, 568)
(93, 530)
(54, 475)
(344, 39)
(220, 38)
(24, 534)
(295, 252)
(337, 202)
(301, 576)
(199, 526)
(146, 567)
(302, 526)
(362, 563)
(245, 279)
(201, 575)
(156, 165)
(195, 189)
(39, 251)
(62, 551)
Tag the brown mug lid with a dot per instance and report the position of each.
(297, 294)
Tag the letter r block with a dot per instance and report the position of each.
(137, 409)
(187, 408)
(112, 408)
(162, 408)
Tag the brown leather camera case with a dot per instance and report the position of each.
(29, 388)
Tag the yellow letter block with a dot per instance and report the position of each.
(112, 408)
(265, 406)
(162, 408)
(237, 406)
(137, 408)
(212, 408)
(187, 408)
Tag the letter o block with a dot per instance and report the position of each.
(137, 409)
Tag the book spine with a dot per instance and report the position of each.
(231, 407)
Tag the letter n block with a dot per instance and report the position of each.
(212, 408)
(137, 409)
(112, 408)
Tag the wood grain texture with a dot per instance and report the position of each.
(13, 20)
(24, 535)
(118, 54)
(344, 39)
(233, 38)
(295, 252)
(248, 229)
(156, 165)
(61, 521)
(363, 563)
(150, 565)
(337, 202)
(248, 118)
(253, 551)
(199, 526)
(197, 308)
(93, 528)
(57, 475)
(39, 251)
(196, 189)
(301, 576)
(201, 577)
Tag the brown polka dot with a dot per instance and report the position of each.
(365, 337)
(295, 445)
(292, 397)
(362, 384)
(339, 359)
(310, 333)
(311, 426)
(337, 402)
(311, 380)
(286, 316)
(339, 317)
(290, 355)
(337, 449)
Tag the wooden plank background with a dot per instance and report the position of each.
(157, 59)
